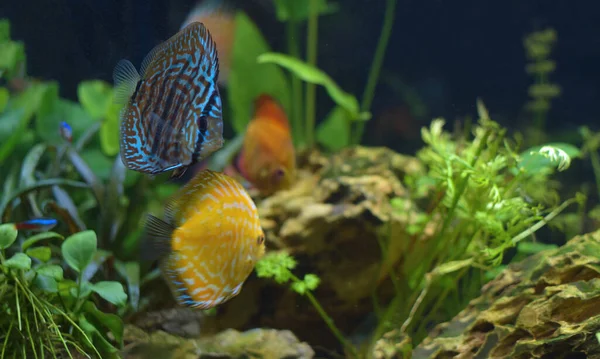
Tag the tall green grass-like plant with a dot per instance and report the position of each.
(369, 93)
(46, 314)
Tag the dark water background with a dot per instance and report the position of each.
(451, 51)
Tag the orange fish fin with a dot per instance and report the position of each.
(156, 239)
(125, 78)
(149, 57)
(177, 284)
(265, 106)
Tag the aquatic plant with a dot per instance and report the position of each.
(45, 313)
(484, 198)
(254, 72)
(278, 266)
(59, 159)
(538, 46)
(481, 196)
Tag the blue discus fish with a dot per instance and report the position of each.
(172, 118)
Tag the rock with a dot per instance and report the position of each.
(333, 221)
(547, 306)
(254, 343)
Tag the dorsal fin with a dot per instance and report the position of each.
(149, 57)
(125, 78)
(156, 238)
(198, 30)
(265, 106)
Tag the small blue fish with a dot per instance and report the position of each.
(66, 132)
(172, 117)
(37, 224)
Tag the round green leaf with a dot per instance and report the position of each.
(51, 270)
(78, 250)
(45, 283)
(41, 253)
(4, 95)
(111, 322)
(111, 291)
(8, 235)
(96, 97)
(18, 261)
(109, 131)
(82, 291)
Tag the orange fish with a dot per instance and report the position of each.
(268, 159)
(219, 19)
(209, 241)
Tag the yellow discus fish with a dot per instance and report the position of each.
(209, 241)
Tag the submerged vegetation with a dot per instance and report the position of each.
(481, 197)
(473, 204)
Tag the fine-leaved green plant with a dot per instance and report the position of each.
(44, 312)
(484, 197)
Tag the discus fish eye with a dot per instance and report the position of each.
(279, 173)
(260, 240)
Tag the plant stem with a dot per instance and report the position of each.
(596, 168)
(529, 231)
(327, 319)
(331, 324)
(369, 92)
(296, 115)
(311, 57)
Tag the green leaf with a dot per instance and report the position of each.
(4, 30)
(84, 290)
(30, 162)
(78, 249)
(63, 110)
(96, 97)
(534, 247)
(98, 162)
(130, 271)
(65, 287)
(99, 258)
(111, 291)
(334, 132)
(40, 237)
(298, 10)
(45, 283)
(51, 270)
(18, 261)
(452, 266)
(533, 162)
(4, 95)
(20, 110)
(110, 129)
(249, 79)
(41, 253)
(313, 75)
(11, 54)
(8, 235)
(98, 340)
(109, 321)
(312, 281)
